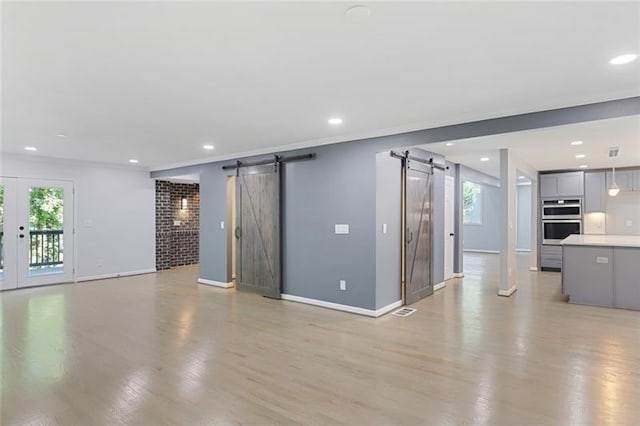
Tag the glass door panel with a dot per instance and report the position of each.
(45, 239)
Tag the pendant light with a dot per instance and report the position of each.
(613, 189)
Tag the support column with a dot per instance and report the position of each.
(535, 211)
(458, 268)
(508, 214)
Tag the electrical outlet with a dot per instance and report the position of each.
(343, 285)
(222, 224)
(629, 223)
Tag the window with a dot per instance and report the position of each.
(472, 203)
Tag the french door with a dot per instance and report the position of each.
(36, 232)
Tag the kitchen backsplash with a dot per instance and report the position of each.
(622, 217)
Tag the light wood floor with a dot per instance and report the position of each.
(160, 349)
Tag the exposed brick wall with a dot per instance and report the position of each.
(177, 245)
(163, 225)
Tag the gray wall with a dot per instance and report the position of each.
(340, 187)
(523, 217)
(388, 246)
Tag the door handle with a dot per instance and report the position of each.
(410, 236)
(21, 235)
(451, 234)
(238, 233)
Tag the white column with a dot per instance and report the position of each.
(508, 198)
(535, 211)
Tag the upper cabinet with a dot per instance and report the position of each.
(627, 180)
(595, 192)
(570, 184)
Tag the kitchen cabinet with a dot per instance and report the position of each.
(602, 270)
(587, 275)
(551, 257)
(624, 180)
(557, 185)
(626, 286)
(595, 192)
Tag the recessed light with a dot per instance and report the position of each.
(448, 144)
(623, 59)
(576, 143)
(61, 135)
(580, 155)
(335, 121)
(133, 161)
(209, 147)
(583, 166)
(484, 158)
(30, 148)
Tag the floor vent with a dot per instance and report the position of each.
(404, 312)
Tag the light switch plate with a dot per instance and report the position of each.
(342, 229)
(343, 285)
(384, 228)
(222, 224)
(600, 259)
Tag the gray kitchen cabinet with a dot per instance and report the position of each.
(587, 273)
(551, 257)
(626, 282)
(548, 186)
(624, 180)
(635, 176)
(554, 185)
(595, 192)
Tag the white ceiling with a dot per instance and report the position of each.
(550, 148)
(156, 80)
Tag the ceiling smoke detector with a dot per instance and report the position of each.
(614, 151)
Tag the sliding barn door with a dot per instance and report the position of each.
(417, 266)
(258, 230)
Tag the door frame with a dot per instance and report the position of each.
(73, 212)
(10, 279)
(449, 186)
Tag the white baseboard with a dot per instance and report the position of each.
(215, 283)
(507, 293)
(482, 251)
(116, 275)
(345, 308)
(439, 286)
(523, 250)
(533, 268)
(458, 275)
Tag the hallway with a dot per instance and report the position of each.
(159, 348)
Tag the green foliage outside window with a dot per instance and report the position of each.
(46, 208)
(471, 203)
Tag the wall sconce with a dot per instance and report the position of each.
(183, 204)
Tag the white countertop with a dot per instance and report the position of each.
(602, 240)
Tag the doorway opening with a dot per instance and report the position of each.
(177, 222)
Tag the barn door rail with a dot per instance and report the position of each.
(406, 156)
(275, 160)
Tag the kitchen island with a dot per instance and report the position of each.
(602, 270)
